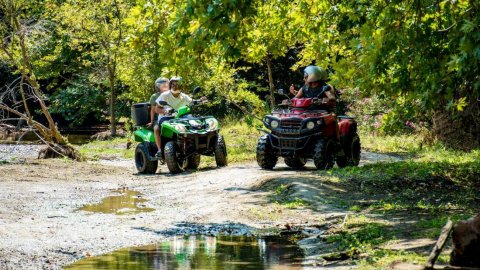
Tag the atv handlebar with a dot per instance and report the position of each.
(198, 101)
(315, 101)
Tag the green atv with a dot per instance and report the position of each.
(184, 139)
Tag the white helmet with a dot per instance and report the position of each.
(175, 79)
(160, 81)
(315, 73)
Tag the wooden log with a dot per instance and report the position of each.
(437, 249)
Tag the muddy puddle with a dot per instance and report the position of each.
(124, 202)
(203, 252)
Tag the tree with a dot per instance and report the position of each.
(271, 35)
(422, 50)
(99, 25)
(18, 29)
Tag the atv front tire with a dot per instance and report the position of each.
(221, 156)
(193, 162)
(174, 163)
(266, 158)
(352, 149)
(144, 166)
(295, 163)
(324, 154)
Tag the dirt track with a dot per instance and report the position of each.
(40, 226)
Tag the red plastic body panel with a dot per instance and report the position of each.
(331, 128)
(302, 102)
(344, 126)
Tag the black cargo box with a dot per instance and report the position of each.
(141, 113)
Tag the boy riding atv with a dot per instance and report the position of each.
(306, 128)
(184, 137)
(175, 99)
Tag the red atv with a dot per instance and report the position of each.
(301, 130)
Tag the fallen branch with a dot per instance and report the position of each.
(437, 249)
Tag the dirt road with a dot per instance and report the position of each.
(41, 226)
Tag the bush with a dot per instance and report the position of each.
(78, 104)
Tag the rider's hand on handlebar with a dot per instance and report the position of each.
(150, 124)
(203, 99)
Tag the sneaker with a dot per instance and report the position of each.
(158, 154)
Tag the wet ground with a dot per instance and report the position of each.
(41, 226)
(203, 252)
(124, 202)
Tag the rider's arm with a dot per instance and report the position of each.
(159, 109)
(330, 98)
(152, 113)
(299, 93)
(292, 90)
(152, 109)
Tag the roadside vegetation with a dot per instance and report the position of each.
(396, 209)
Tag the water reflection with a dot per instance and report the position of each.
(203, 252)
(126, 202)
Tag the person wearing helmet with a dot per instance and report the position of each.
(161, 85)
(175, 99)
(316, 87)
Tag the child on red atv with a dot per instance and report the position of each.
(316, 87)
(309, 129)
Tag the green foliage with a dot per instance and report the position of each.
(110, 149)
(359, 236)
(78, 103)
(397, 61)
(241, 141)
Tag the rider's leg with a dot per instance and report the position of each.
(158, 140)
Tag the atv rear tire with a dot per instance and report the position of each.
(221, 156)
(266, 158)
(193, 162)
(324, 154)
(352, 149)
(295, 163)
(144, 166)
(174, 163)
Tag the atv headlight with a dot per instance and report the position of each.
(310, 125)
(274, 124)
(212, 123)
(180, 128)
(195, 123)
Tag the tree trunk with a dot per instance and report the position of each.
(111, 78)
(270, 81)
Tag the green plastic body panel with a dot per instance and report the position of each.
(168, 131)
(144, 135)
(183, 111)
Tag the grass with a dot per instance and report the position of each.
(427, 188)
(240, 138)
(109, 149)
(391, 144)
(241, 141)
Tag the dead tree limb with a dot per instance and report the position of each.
(437, 249)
